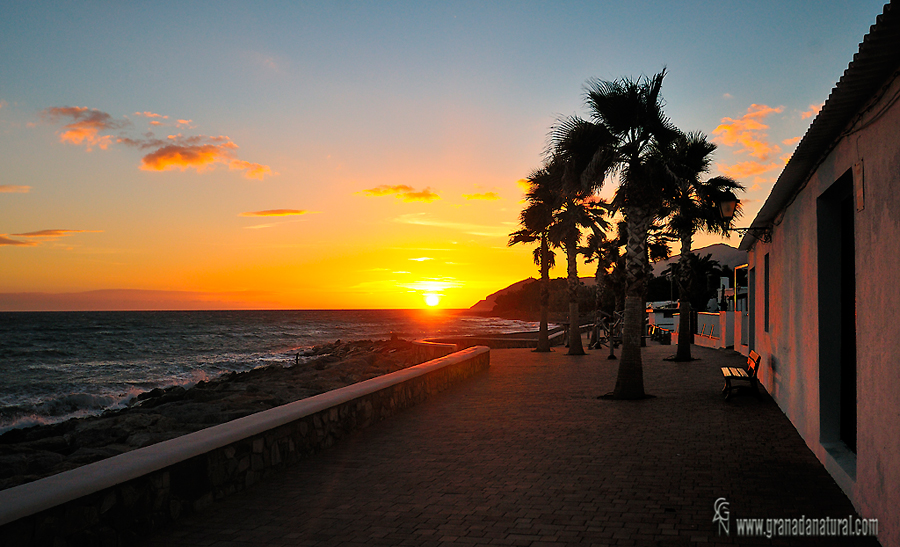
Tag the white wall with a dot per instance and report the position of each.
(790, 349)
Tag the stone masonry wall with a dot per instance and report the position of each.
(118, 515)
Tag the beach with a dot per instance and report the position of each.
(29, 454)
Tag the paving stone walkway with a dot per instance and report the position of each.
(525, 454)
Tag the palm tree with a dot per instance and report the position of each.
(692, 206)
(631, 113)
(576, 155)
(536, 219)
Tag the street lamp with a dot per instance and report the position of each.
(728, 205)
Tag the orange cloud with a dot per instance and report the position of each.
(10, 188)
(86, 126)
(199, 152)
(277, 213)
(747, 132)
(791, 142)
(147, 114)
(402, 191)
(813, 110)
(746, 169)
(185, 123)
(524, 184)
(485, 196)
(15, 242)
(56, 233)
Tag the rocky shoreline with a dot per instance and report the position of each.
(32, 453)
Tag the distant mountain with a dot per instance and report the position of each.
(487, 305)
(725, 255)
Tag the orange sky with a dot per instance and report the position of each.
(302, 157)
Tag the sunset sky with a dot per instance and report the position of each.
(352, 154)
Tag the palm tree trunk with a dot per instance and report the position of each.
(685, 332)
(630, 380)
(543, 343)
(575, 345)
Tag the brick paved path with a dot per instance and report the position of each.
(525, 454)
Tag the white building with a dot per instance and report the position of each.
(825, 291)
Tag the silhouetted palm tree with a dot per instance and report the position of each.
(536, 219)
(631, 113)
(577, 157)
(692, 204)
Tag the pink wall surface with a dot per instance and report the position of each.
(790, 349)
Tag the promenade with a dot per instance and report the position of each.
(525, 454)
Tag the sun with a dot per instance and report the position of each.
(432, 299)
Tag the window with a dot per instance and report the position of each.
(766, 293)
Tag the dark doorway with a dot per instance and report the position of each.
(837, 313)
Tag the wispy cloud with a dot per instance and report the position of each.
(277, 213)
(727, 96)
(13, 189)
(489, 196)
(420, 219)
(56, 233)
(791, 142)
(5, 241)
(524, 185)
(91, 127)
(813, 110)
(746, 169)
(748, 136)
(85, 125)
(421, 259)
(148, 114)
(402, 191)
(747, 133)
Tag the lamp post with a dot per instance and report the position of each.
(728, 203)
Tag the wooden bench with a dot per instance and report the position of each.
(736, 374)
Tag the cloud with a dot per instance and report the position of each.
(402, 191)
(277, 213)
(746, 169)
(421, 259)
(524, 184)
(747, 133)
(791, 142)
(15, 242)
(727, 96)
(92, 127)
(147, 114)
(85, 127)
(471, 229)
(185, 123)
(56, 233)
(813, 110)
(13, 189)
(200, 152)
(485, 196)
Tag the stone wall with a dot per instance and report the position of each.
(116, 501)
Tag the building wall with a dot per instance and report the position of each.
(791, 347)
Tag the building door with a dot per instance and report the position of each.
(837, 313)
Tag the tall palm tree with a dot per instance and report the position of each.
(574, 215)
(577, 156)
(631, 112)
(692, 206)
(536, 219)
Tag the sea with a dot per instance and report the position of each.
(60, 365)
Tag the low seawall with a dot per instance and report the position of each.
(501, 341)
(117, 500)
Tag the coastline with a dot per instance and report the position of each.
(35, 452)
